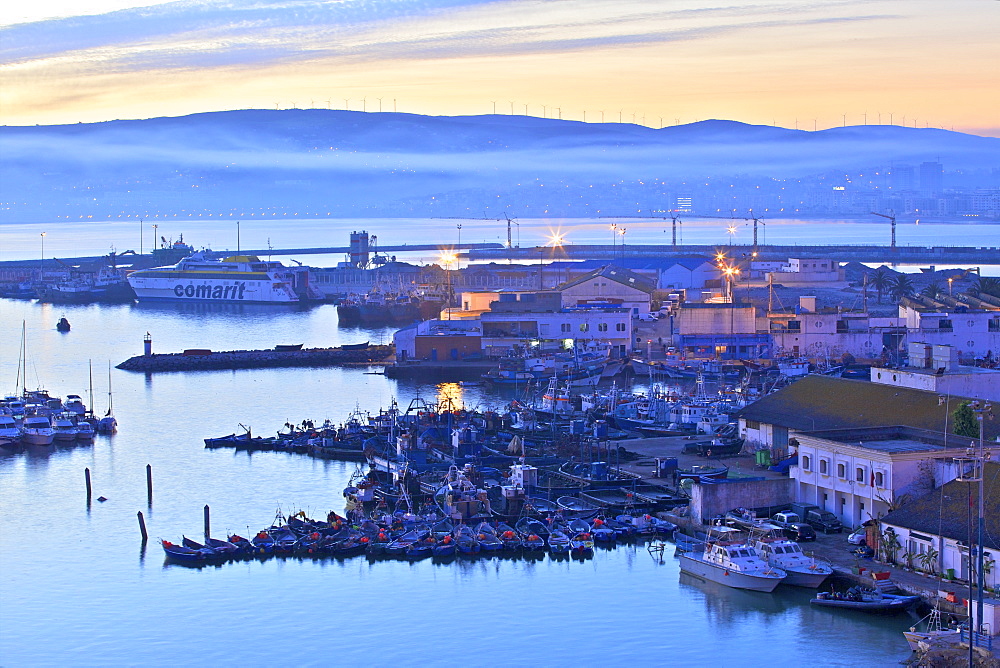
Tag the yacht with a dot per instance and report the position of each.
(10, 433)
(38, 430)
(801, 571)
(84, 430)
(242, 279)
(74, 404)
(64, 427)
(730, 560)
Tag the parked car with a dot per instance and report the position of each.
(858, 537)
(799, 531)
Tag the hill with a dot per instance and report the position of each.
(319, 162)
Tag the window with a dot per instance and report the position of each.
(841, 471)
(584, 327)
(620, 327)
(859, 475)
(879, 479)
(602, 327)
(805, 463)
(794, 326)
(946, 326)
(753, 424)
(565, 327)
(824, 467)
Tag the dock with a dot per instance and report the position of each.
(208, 360)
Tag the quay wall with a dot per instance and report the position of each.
(254, 359)
(709, 500)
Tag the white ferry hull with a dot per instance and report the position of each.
(693, 565)
(241, 279)
(207, 290)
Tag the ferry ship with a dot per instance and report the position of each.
(242, 279)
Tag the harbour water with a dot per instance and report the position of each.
(79, 589)
(88, 238)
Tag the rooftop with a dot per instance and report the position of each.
(894, 439)
(827, 403)
(945, 511)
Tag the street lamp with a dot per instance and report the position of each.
(41, 265)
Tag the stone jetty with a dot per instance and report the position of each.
(208, 360)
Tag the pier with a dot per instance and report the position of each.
(207, 360)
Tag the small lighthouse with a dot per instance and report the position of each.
(147, 345)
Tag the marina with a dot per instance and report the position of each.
(189, 476)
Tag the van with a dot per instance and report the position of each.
(647, 317)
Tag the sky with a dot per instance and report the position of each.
(810, 64)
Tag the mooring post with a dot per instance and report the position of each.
(142, 526)
(86, 477)
(208, 528)
(149, 484)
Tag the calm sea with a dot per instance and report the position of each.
(78, 588)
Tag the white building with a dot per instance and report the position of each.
(938, 522)
(935, 368)
(857, 474)
(973, 332)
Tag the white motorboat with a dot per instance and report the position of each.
(10, 433)
(801, 571)
(64, 427)
(84, 430)
(38, 431)
(730, 560)
(74, 404)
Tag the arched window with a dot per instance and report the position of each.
(805, 462)
(859, 475)
(879, 479)
(824, 467)
(841, 471)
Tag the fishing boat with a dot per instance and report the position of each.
(729, 560)
(488, 538)
(866, 600)
(63, 325)
(582, 543)
(465, 541)
(241, 279)
(933, 628)
(532, 533)
(182, 554)
(559, 540)
(801, 571)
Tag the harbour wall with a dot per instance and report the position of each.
(255, 359)
(711, 499)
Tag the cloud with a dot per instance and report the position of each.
(186, 35)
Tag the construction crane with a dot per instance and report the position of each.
(756, 220)
(892, 219)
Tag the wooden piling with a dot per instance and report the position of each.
(208, 523)
(86, 477)
(142, 526)
(149, 484)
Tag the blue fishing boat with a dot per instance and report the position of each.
(465, 541)
(182, 554)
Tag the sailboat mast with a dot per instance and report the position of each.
(90, 372)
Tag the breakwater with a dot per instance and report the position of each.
(207, 360)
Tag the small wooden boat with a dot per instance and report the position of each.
(465, 541)
(582, 544)
(287, 347)
(445, 547)
(63, 325)
(209, 552)
(487, 537)
(507, 534)
(182, 554)
(532, 534)
(558, 541)
(601, 532)
(866, 600)
(703, 473)
(355, 346)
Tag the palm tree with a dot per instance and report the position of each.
(928, 559)
(890, 545)
(932, 290)
(901, 286)
(880, 281)
(986, 285)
